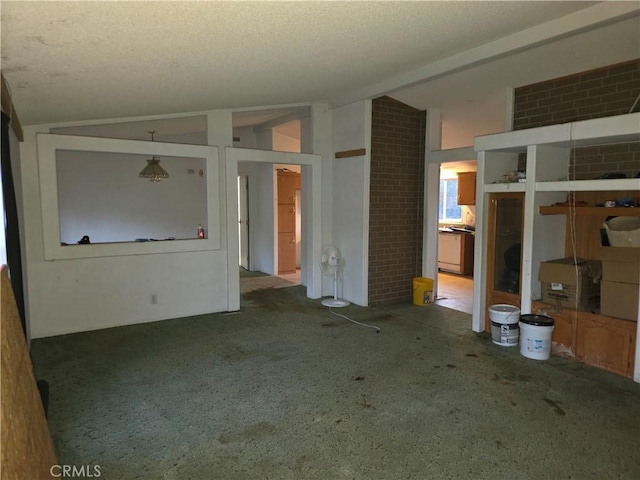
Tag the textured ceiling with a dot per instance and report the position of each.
(69, 61)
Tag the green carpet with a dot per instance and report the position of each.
(283, 389)
(244, 273)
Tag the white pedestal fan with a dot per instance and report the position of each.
(331, 263)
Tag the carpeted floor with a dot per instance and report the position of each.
(249, 284)
(283, 389)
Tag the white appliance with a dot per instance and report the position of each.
(449, 252)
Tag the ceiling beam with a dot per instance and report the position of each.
(599, 15)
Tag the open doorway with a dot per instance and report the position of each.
(270, 232)
(268, 145)
(289, 222)
(456, 235)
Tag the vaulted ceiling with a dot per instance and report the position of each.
(71, 61)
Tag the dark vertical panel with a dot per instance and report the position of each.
(12, 232)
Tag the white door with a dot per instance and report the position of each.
(243, 220)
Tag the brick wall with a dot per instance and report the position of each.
(396, 196)
(597, 93)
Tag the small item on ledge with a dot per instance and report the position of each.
(620, 202)
(512, 177)
(200, 231)
(570, 201)
(84, 240)
(626, 202)
(611, 175)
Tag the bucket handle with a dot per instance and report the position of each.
(513, 313)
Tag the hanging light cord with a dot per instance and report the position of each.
(377, 329)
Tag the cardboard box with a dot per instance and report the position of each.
(571, 284)
(620, 282)
(619, 300)
(620, 264)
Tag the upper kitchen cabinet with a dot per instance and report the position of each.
(467, 188)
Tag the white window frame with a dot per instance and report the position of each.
(48, 144)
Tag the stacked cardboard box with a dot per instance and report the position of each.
(620, 282)
(571, 283)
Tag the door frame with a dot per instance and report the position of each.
(243, 232)
(310, 273)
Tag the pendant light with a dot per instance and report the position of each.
(153, 171)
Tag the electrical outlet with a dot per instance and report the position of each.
(154, 299)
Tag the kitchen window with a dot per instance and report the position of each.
(448, 209)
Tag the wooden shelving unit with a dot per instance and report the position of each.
(551, 232)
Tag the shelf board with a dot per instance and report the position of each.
(589, 185)
(583, 133)
(595, 211)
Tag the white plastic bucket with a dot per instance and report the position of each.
(535, 336)
(504, 324)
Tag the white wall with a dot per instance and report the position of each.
(352, 130)
(78, 294)
(316, 134)
(285, 143)
(78, 288)
(262, 247)
(247, 137)
(264, 139)
(101, 195)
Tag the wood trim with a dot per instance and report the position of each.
(9, 110)
(490, 252)
(358, 152)
(491, 295)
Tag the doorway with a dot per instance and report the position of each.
(456, 230)
(289, 221)
(270, 253)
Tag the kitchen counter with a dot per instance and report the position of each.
(456, 229)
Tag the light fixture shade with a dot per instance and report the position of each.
(153, 171)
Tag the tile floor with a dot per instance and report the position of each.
(455, 292)
(292, 277)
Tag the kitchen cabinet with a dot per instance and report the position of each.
(467, 188)
(288, 183)
(555, 232)
(455, 252)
